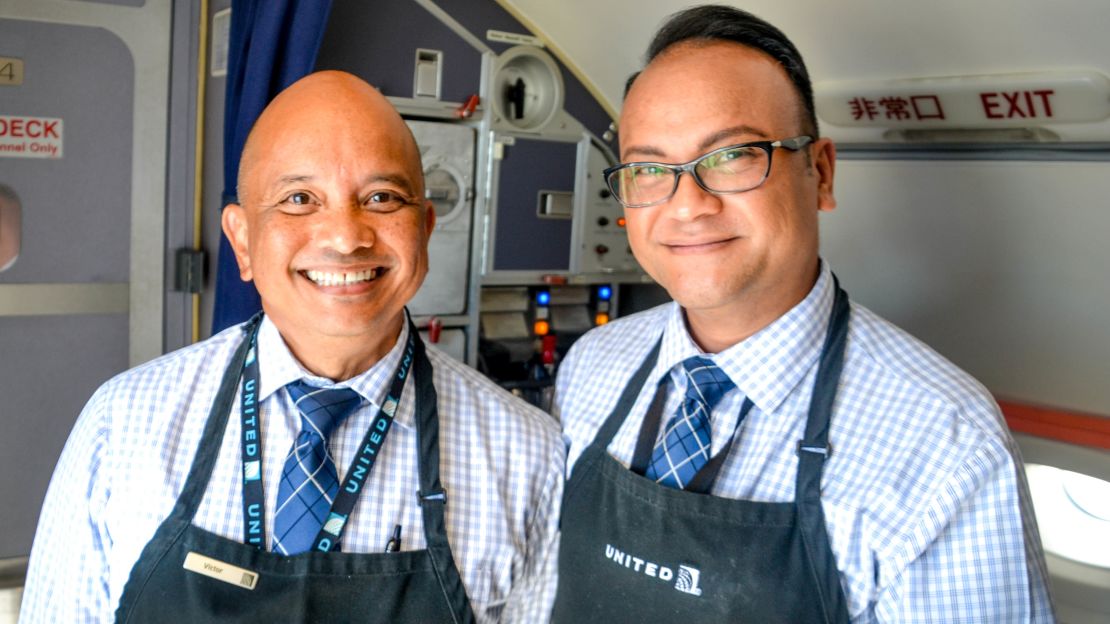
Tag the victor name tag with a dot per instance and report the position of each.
(195, 562)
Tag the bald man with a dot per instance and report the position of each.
(317, 463)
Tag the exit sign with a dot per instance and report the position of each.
(1006, 100)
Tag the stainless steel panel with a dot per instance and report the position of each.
(447, 152)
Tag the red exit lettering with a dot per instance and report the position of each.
(1023, 104)
(18, 127)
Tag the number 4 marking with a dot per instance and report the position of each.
(11, 71)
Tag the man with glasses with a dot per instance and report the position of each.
(761, 450)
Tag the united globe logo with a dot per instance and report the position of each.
(687, 582)
(252, 471)
(335, 523)
(390, 407)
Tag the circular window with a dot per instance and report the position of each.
(443, 187)
(527, 88)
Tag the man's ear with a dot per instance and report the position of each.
(824, 165)
(429, 218)
(234, 222)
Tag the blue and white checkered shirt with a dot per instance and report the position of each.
(925, 499)
(130, 451)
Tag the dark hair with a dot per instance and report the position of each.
(714, 22)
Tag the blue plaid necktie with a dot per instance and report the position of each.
(686, 442)
(309, 481)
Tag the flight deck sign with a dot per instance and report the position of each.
(30, 137)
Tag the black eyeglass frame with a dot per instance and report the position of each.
(793, 144)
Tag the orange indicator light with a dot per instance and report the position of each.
(541, 328)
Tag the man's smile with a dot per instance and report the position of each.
(343, 278)
(697, 246)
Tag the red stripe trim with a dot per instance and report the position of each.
(1054, 424)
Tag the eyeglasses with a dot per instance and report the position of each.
(731, 169)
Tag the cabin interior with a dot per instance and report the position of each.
(974, 171)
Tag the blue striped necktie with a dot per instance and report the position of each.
(309, 481)
(686, 442)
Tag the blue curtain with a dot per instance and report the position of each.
(273, 43)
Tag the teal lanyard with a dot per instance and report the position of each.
(251, 449)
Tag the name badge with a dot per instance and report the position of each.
(214, 568)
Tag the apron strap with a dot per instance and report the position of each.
(209, 449)
(649, 431)
(432, 496)
(813, 451)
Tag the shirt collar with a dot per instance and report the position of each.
(277, 367)
(768, 365)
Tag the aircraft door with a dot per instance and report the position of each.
(82, 160)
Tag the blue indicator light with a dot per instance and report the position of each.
(543, 297)
(604, 293)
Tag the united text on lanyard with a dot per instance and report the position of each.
(251, 449)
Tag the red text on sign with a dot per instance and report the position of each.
(913, 108)
(18, 127)
(1017, 104)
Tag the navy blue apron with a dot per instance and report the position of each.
(636, 551)
(186, 574)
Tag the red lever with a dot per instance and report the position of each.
(465, 110)
(435, 327)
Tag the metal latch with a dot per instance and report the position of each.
(189, 270)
